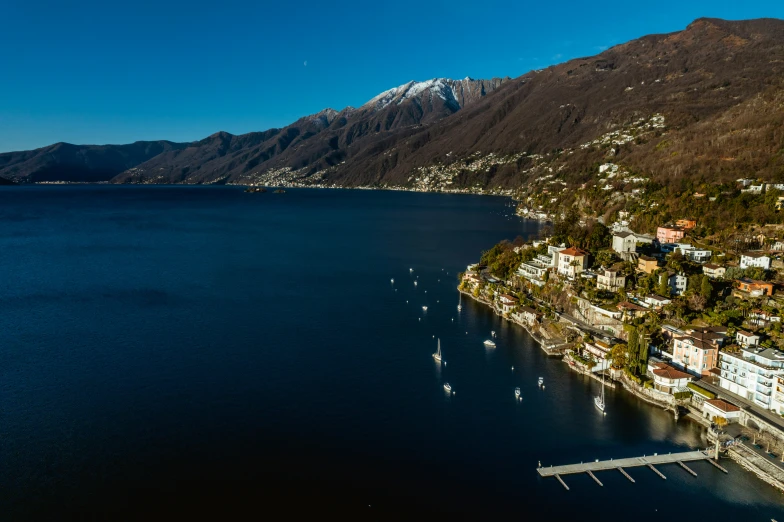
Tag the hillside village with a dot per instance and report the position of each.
(677, 320)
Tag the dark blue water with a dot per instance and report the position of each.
(200, 350)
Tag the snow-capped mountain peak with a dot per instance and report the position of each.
(454, 93)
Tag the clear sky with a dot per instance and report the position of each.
(119, 71)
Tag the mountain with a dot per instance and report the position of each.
(314, 143)
(717, 85)
(82, 163)
(686, 109)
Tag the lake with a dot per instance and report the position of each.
(200, 350)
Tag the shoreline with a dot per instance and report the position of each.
(766, 472)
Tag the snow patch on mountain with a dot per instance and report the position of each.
(441, 87)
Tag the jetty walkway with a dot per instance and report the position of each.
(620, 464)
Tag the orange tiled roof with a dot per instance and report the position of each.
(723, 405)
(668, 372)
(573, 251)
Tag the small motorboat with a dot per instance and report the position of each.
(447, 387)
(424, 309)
(489, 343)
(392, 281)
(517, 393)
(541, 381)
(415, 283)
(410, 269)
(492, 333)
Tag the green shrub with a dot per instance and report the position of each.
(701, 391)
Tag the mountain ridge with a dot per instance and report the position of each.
(484, 135)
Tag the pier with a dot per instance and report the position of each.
(644, 461)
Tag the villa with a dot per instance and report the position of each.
(754, 259)
(572, 261)
(713, 271)
(669, 234)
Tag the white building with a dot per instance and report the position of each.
(754, 259)
(624, 242)
(533, 271)
(610, 280)
(746, 339)
(713, 408)
(667, 378)
(698, 255)
(676, 282)
(507, 302)
(753, 374)
(713, 271)
(656, 301)
(572, 261)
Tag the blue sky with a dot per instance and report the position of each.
(117, 72)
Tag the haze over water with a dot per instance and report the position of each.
(199, 346)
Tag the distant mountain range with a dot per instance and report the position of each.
(717, 86)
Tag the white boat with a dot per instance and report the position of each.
(460, 302)
(599, 399)
(492, 333)
(410, 269)
(489, 343)
(541, 381)
(392, 281)
(517, 392)
(424, 309)
(415, 283)
(437, 355)
(447, 387)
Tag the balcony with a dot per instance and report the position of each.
(762, 400)
(766, 393)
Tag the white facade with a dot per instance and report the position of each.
(624, 242)
(753, 374)
(676, 282)
(714, 271)
(698, 255)
(571, 262)
(747, 339)
(754, 260)
(610, 280)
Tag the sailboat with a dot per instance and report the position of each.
(599, 399)
(460, 302)
(437, 355)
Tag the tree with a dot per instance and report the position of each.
(642, 358)
(663, 288)
(633, 350)
(605, 257)
(618, 355)
(706, 288)
(645, 285)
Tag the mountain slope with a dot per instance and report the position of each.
(702, 105)
(85, 163)
(695, 78)
(313, 143)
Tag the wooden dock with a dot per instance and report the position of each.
(620, 464)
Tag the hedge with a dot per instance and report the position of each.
(701, 391)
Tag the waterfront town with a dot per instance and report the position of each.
(673, 317)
